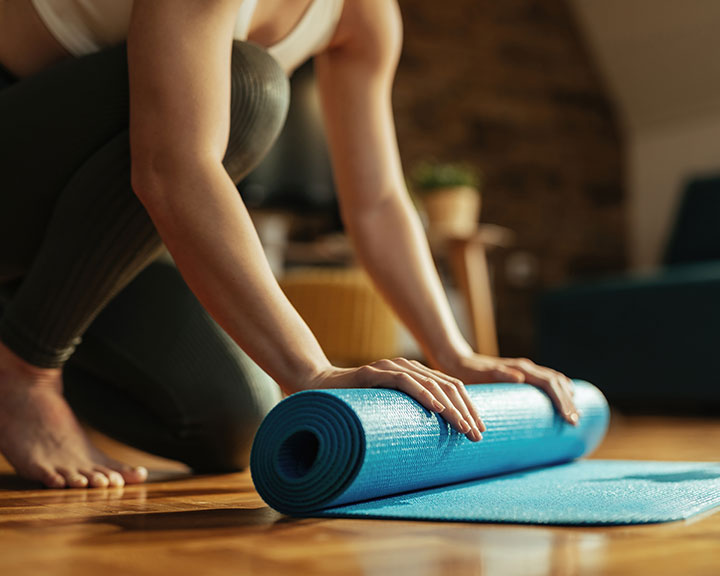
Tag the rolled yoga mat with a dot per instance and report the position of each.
(378, 453)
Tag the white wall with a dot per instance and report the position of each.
(660, 162)
(661, 63)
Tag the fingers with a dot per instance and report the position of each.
(468, 402)
(557, 386)
(468, 425)
(404, 383)
(456, 386)
(569, 384)
(434, 390)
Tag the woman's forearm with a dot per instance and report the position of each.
(392, 245)
(206, 228)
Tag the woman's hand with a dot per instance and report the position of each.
(436, 391)
(477, 369)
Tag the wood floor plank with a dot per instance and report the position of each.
(207, 525)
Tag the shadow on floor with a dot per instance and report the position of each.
(670, 477)
(189, 519)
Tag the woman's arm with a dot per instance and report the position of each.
(355, 77)
(179, 53)
(179, 59)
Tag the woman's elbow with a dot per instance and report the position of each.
(159, 175)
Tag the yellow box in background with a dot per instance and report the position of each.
(348, 316)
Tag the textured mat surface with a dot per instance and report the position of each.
(377, 453)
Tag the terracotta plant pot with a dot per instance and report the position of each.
(452, 211)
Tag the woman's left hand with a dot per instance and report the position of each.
(478, 369)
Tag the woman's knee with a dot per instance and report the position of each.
(259, 102)
(225, 440)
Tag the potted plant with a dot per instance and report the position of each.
(450, 196)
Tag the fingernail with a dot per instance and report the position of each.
(574, 417)
(464, 427)
(437, 406)
(481, 426)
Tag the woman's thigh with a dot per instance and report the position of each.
(51, 123)
(156, 371)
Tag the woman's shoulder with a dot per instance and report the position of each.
(368, 29)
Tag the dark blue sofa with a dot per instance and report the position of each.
(649, 342)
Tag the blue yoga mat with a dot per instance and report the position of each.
(377, 453)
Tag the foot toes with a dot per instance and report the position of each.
(134, 474)
(131, 474)
(73, 479)
(115, 479)
(96, 479)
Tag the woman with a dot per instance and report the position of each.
(100, 174)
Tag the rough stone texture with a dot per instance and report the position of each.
(510, 87)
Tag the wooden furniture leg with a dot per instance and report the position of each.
(469, 265)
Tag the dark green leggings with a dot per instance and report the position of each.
(85, 281)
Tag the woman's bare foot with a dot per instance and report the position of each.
(40, 436)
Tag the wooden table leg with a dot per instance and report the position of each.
(469, 265)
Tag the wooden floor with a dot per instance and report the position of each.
(218, 525)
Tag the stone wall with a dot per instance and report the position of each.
(509, 87)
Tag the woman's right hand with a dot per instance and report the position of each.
(436, 391)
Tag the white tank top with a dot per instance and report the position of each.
(85, 26)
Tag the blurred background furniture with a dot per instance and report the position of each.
(350, 319)
(471, 272)
(648, 341)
